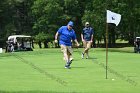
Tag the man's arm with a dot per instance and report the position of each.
(91, 38)
(92, 35)
(56, 37)
(77, 44)
(82, 38)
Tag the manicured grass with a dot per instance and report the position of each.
(42, 71)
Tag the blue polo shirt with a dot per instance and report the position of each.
(66, 36)
(87, 33)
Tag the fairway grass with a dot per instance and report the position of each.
(42, 71)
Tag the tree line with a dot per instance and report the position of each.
(42, 18)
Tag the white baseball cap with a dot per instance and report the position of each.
(87, 23)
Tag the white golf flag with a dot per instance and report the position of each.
(0, 50)
(113, 18)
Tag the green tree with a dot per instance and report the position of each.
(95, 13)
(131, 17)
(33, 17)
(51, 14)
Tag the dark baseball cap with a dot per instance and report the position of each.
(71, 23)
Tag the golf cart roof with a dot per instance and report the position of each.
(138, 37)
(14, 37)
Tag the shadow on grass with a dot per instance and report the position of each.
(77, 67)
(34, 92)
(85, 59)
(40, 52)
(5, 55)
(92, 58)
(121, 50)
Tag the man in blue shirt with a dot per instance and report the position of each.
(66, 34)
(87, 39)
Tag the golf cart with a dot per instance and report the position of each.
(19, 43)
(137, 45)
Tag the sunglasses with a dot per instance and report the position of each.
(70, 26)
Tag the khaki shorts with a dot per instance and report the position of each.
(66, 49)
(87, 44)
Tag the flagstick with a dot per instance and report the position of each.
(106, 48)
(106, 39)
